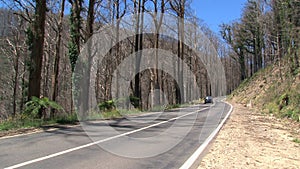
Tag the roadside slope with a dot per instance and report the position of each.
(273, 90)
(263, 131)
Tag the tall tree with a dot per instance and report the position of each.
(37, 49)
(57, 56)
(157, 19)
(87, 67)
(119, 14)
(286, 16)
(179, 7)
(139, 16)
(13, 48)
(251, 33)
(232, 35)
(75, 27)
(74, 44)
(15, 44)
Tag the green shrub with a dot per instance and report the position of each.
(272, 108)
(291, 112)
(111, 114)
(107, 105)
(20, 122)
(296, 140)
(135, 101)
(35, 105)
(173, 106)
(283, 101)
(7, 125)
(68, 119)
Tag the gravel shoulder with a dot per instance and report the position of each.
(250, 139)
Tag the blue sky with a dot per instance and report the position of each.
(216, 12)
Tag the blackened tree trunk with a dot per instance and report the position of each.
(138, 48)
(36, 56)
(179, 7)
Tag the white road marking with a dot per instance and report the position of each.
(97, 142)
(190, 161)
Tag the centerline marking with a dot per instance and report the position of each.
(97, 142)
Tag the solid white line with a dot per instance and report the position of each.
(97, 142)
(189, 162)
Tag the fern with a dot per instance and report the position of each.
(33, 106)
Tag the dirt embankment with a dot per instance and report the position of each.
(251, 139)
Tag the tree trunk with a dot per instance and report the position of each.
(119, 15)
(57, 58)
(89, 33)
(16, 69)
(36, 56)
(138, 49)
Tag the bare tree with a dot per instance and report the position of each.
(179, 7)
(157, 15)
(57, 56)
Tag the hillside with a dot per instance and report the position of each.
(273, 90)
(262, 131)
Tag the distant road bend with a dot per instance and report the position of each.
(171, 139)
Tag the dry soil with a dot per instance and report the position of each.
(250, 139)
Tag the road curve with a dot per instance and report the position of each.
(155, 140)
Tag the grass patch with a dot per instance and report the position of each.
(283, 106)
(130, 111)
(20, 122)
(111, 114)
(271, 93)
(271, 108)
(70, 119)
(246, 84)
(291, 112)
(24, 121)
(157, 108)
(296, 140)
(174, 106)
(13, 124)
(31, 118)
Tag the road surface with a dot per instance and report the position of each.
(154, 140)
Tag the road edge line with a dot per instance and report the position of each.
(192, 159)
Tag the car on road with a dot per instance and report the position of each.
(208, 99)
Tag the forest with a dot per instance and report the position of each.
(42, 42)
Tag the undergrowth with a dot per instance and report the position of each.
(296, 140)
(21, 122)
(273, 90)
(28, 119)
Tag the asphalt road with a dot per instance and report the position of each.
(154, 140)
